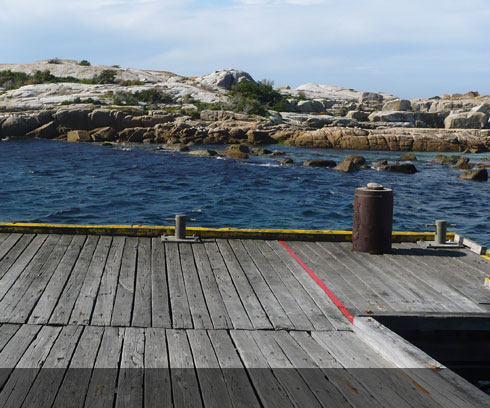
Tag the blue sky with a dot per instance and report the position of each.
(408, 48)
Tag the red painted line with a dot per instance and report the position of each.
(320, 283)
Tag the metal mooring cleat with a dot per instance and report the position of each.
(440, 240)
(180, 230)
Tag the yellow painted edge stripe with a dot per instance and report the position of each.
(229, 233)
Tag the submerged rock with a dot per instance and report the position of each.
(348, 166)
(444, 159)
(407, 168)
(203, 152)
(475, 175)
(463, 163)
(258, 151)
(319, 163)
(356, 159)
(287, 160)
(408, 157)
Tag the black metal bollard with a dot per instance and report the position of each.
(373, 219)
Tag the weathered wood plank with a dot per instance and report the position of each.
(211, 381)
(7, 331)
(62, 311)
(331, 312)
(47, 302)
(20, 381)
(377, 374)
(44, 390)
(185, 387)
(439, 291)
(108, 284)
(7, 242)
(307, 304)
(234, 373)
(15, 349)
(142, 293)
(216, 306)
(392, 300)
(102, 388)
(230, 296)
(327, 272)
(396, 283)
(286, 299)
(36, 283)
(353, 284)
(13, 259)
(298, 390)
(82, 310)
(322, 388)
(28, 260)
(26, 277)
(352, 390)
(270, 391)
(123, 304)
(263, 307)
(131, 372)
(160, 302)
(195, 295)
(77, 379)
(181, 313)
(158, 387)
(260, 303)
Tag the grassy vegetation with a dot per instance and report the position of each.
(78, 100)
(13, 80)
(84, 63)
(149, 96)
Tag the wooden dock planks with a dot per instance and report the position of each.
(119, 321)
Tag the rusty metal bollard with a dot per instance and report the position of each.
(373, 219)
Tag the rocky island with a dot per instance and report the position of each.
(75, 101)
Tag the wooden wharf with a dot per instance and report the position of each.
(100, 320)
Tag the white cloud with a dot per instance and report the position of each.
(296, 39)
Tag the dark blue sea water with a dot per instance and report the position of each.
(58, 182)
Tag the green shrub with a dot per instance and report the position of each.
(84, 63)
(149, 96)
(257, 98)
(107, 76)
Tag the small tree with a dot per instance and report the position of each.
(84, 63)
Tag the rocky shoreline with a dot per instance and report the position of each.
(194, 113)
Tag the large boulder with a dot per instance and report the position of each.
(466, 120)
(392, 116)
(74, 118)
(259, 137)
(105, 134)
(310, 105)
(476, 175)
(358, 115)
(397, 105)
(370, 97)
(47, 131)
(18, 125)
(225, 78)
(237, 151)
(319, 163)
(78, 136)
(136, 135)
